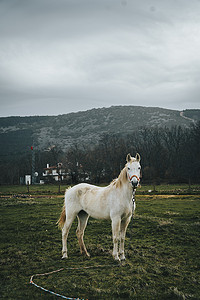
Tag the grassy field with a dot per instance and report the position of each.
(48, 189)
(162, 249)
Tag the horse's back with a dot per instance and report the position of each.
(89, 198)
(76, 193)
(80, 189)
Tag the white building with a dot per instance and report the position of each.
(55, 173)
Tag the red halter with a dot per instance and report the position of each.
(134, 176)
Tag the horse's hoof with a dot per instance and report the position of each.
(122, 258)
(116, 257)
(64, 256)
(85, 253)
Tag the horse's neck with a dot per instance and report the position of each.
(122, 178)
(123, 184)
(127, 190)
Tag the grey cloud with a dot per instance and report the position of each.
(68, 55)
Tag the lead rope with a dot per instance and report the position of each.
(133, 209)
(56, 271)
(133, 200)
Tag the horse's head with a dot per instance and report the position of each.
(133, 168)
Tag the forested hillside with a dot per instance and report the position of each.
(94, 144)
(192, 114)
(17, 134)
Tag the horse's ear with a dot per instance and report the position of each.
(137, 157)
(128, 158)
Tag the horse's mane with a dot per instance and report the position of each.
(120, 179)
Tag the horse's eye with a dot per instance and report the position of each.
(139, 168)
(128, 168)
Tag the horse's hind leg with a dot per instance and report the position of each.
(82, 223)
(65, 232)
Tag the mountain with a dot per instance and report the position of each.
(17, 134)
(193, 114)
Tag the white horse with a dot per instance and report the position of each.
(111, 202)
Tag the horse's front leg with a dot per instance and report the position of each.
(124, 225)
(116, 221)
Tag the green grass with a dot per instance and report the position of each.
(53, 189)
(172, 189)
(33, 189)
(162, 251)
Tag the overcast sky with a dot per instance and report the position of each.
(61, 56)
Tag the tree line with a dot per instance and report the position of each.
(168, 155)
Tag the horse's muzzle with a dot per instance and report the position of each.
(134, 182)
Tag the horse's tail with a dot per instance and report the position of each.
(62, 218)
